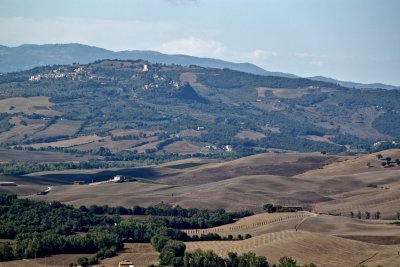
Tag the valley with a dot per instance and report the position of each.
(331, 189)
(208, 140)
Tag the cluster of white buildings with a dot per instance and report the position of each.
(59, 74)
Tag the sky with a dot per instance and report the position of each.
(351, 40)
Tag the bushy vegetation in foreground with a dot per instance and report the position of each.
(40, 228)
(36, 229)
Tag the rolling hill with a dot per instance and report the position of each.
(125, 110)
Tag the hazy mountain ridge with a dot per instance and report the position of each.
(28, 56)
(353, 84)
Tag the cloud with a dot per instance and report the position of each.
(310, 59)
(260, 54)
(181, 2)
(193, 46)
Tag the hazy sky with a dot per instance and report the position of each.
(356, 40)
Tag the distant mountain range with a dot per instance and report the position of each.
(28, 56)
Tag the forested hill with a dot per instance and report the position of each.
(122, 109)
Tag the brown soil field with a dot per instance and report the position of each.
(114, 146)
(289, 93)
(182, 147)
(69, 142)
(121, 132)
(249, 135)
(191, 78)
(39, 156)
(62, 127)
(261, 91)
(19, 131)
(287, 164)
(28, 105)
(142, 148)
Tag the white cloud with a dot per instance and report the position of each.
(260, 54)
(193, 46)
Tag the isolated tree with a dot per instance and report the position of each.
(367, 215)
(359, 215)
(352, 214)
(377, 215)
(379, 156)
(383, 163)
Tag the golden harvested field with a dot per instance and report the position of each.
(306, 247)
(28, 105)
(51, 261)
(258, 224)
(354, 165)
(319, 138)
(142, 255)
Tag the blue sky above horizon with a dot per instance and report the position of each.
(355, 40)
